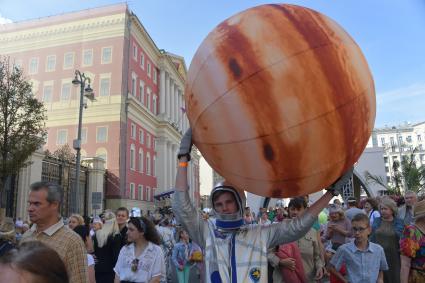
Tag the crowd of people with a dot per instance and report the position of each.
(376, 240)
(350, 242)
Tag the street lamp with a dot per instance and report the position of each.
(85, 92)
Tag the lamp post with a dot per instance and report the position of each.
(85, 92)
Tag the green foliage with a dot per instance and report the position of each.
(22, 119)
(408, 175)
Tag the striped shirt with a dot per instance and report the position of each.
(67, 244)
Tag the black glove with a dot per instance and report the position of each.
(186, 145)
(336, 188)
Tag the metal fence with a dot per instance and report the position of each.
(63, 173)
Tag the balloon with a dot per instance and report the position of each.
(281, 100)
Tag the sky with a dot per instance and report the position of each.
(390, 33)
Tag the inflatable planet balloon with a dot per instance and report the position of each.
(281, 100)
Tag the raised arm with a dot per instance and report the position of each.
(185, 212)
(283, 233)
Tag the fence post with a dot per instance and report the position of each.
(95, 183)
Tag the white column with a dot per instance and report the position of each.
(170, 166)
(179, 110)
(176, 103)
(167, 95)
(172, 101)
(162, 92)
(161, 171)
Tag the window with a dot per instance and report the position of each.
(47, 93)
(148, 193)
(382, 141)
(148, 140)
(392, 140)
(140, 192)
(134, 51)
(385, 159)
(154, 104)
(101, 134)
(142, 60)
(68, 60)
(62, 137)
(419, 138)
(133, 84)
(400, 139)
(88, 57)
(149, 70)
(155, 74)
(50, 63)
(33, 68)
(387, 169)
(133, 131)
(141, 160)
(132, 157)
(106, 55)
(409, 139)
(66, 92)
(104, 86)
(420, 147)
(132, 194)
(148, 163)
(153, 165)
(148, 98)
(83, 135)
(142, 92)
(141, 137)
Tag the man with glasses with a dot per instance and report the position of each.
(365, 261)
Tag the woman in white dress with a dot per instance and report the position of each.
(141, 260)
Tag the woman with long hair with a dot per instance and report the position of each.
(386, 231)
(107, 245)
(33, 262)
(181, 256)
(75, 220)
(141, 260)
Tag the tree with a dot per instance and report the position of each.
(22, 122)
(413, 176)
(410, 177)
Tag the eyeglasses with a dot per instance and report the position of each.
(135, 265)
(358, 229)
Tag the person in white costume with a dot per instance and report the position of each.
(235, 252)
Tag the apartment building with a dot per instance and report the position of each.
(136, 123)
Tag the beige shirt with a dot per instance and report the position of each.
(67, 244)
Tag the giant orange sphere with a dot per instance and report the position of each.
(281, 100)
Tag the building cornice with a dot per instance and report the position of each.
(79, 31)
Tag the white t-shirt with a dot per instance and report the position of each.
(90, 260)
(151, 264)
